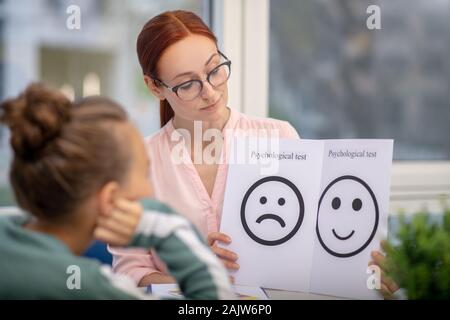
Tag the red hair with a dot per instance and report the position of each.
(161, 32)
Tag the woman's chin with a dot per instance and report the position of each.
(213, 113)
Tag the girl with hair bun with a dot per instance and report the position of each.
(79, 170)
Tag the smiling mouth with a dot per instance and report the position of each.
(343, 238)
(273, 217)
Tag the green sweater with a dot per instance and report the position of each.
(38, 266)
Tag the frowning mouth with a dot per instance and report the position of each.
(343, 238)
(273, 217)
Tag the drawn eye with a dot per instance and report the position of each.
(263, 200)
(357, 204)
(336, 203)
(281, 201)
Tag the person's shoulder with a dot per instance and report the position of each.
(5, 221)
(158, 142)
(155, 137)
(263, 121)
(35, 278)
(12, 219)
(247, 122)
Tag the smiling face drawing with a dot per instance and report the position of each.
(347, 218)
(272, 211)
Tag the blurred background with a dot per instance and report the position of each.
(100, 58)
(333, 77)
(311, 62)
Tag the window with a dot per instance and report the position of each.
(332, 77)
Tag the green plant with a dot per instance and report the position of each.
(419, 258)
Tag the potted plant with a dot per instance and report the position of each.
(418, 258)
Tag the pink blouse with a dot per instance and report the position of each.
(180, 186)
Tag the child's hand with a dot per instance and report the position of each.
(227, 257)
(117, 229)
(388, 286)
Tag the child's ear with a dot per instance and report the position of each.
(106, 198)
(154, 89)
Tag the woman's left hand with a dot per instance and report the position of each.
(388, 286)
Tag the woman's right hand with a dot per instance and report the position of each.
(227, 257)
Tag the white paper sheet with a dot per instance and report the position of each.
(271, 215)
(352, 216)
(273, 248)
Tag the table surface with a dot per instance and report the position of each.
(274, 294)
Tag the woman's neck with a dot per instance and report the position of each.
(72, 234)
(189, 125)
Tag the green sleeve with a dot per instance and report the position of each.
(199, 274)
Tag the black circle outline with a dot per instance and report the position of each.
(346, 255)
(299, 221)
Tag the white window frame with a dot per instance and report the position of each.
(242, 27)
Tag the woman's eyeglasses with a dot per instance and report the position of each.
(189, 90)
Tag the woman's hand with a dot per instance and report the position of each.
(156, 278)
(388, 286)
(118, 228)
(227, 257)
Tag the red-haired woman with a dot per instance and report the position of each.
(184, 68)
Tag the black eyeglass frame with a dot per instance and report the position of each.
(175, 88)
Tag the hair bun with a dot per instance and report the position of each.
(36, 117)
